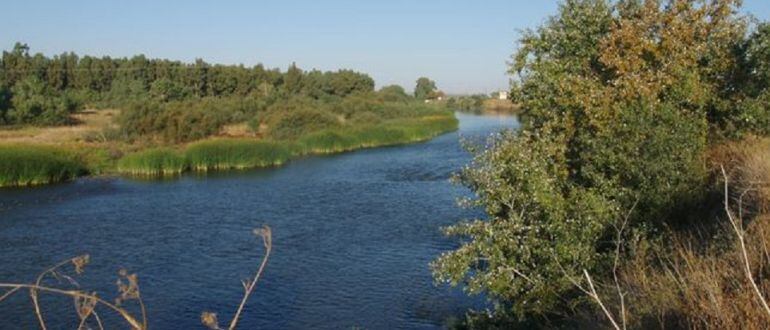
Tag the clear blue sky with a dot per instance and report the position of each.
(463, 45)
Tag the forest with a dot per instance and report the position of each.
(168, 104)
(636, 193)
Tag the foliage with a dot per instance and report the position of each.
(165, 90)
(25, 165)
(472, 103)
(393, 93)
(297, 116)
(746, 100)
(33, 102)
(424, 88)
(5, 102)
(617, 105)
(183, 121)
(120, 82)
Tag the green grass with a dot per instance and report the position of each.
(224, 154)
(22, 165)
(153, 162)
(384, 134)
(28, 165)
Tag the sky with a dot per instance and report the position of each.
(461, 44)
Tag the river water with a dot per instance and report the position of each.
(353, 235)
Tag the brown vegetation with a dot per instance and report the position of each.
(497, 106)
(703, 278)
(87, 127)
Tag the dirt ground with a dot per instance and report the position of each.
(88, 127)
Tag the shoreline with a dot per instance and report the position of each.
(24, 165)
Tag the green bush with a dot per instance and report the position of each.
(125, 90)
(608, 132)
(33, 102)
(26, 165)
(288, 124)
(168, 90)
(183, 121)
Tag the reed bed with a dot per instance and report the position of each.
(385, 134)
(28, 165)
(227, 154)
(153, 162)
(23, 165)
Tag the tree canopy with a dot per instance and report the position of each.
(619, 102)
(424, 88)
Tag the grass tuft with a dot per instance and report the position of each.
(28, 165)
(153, 162)
(224, 154)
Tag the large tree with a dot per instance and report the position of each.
(424, 88)
(615, 100)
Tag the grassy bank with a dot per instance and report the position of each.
(153, 162)
(384, 134)
(226, 154)
(241, 153)
(27, 165)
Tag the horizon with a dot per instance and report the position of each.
(394, 42)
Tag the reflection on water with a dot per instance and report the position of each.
(353, 236)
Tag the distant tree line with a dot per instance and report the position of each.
(179, 102)
(69, 71)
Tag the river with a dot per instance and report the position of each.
(353, 235)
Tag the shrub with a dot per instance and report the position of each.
(183, 121)
(615, 103)
(393, 93)
(34, 102)
(167, 90)
(124, 91)
(286, 125)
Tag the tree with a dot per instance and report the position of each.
(424, 88)
(167, 90)
(615, 101)
(5, 102)
(34, 102)
(393, 93)
(16, 64)
(292, 81)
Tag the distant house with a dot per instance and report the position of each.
(502, 95)
(435, 96)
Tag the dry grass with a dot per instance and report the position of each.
(237, 130)
(748, 166)
(89, 124)
(497, 106)
(687, 287)
(701, 279)
(88, 304)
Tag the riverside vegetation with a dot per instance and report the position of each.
(174, 117)
(635, 194)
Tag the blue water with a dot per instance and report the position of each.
(353, 235)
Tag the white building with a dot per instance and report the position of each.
(502, 95)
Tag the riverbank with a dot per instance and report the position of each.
(28, 162)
